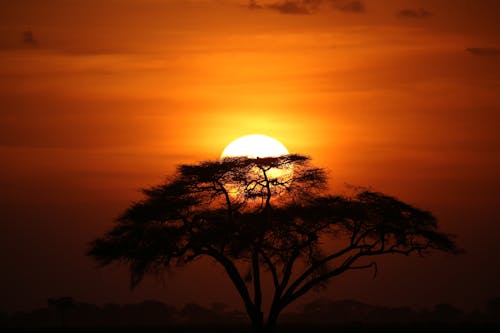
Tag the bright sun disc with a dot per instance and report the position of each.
(259, 146)
(255, 145)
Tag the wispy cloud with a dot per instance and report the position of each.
(419, 13)
(352, 6)
(11, 40)
(483, 51)
(252, 4)
(293, 7)
(29, 38)
(307, 7)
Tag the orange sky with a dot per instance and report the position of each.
(100, 98)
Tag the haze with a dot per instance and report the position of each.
(101, 98)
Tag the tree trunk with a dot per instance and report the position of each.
(257, 322)
(263, 328)
(272, 321)
(257, 328)
(260, 326)
(270, 327)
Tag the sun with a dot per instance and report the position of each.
(259, 146)
(255, 145)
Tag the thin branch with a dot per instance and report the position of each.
(317, 266)
(236, 278)
(271, 266)
(290, 296)
(228, 201)
(268, 188)
(364, 234)
(276, 305)
(257, 290)
(372, 264)
(287, 273)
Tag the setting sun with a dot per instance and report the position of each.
(255, 145)
(223, 126)
(258, 145)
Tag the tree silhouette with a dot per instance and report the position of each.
(264, 215)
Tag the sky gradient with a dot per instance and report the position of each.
(101, 98)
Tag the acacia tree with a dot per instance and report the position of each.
(257, 216)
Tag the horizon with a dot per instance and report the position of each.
(324, 303)
(100, 100)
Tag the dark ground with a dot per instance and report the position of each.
(341, 328)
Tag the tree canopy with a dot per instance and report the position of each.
(258, 216)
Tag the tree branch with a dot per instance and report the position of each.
(257, 290)
(228, 201)
(290, 296)
(237, 280)
(271, 266)
(315, 267)
(276, 305)
(268, 188)
(287, 272)
(372, 264)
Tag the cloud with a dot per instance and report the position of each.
(11, 40)
(352, 6)
(419, 13)
(29, 38)
(14, 40)
(307, 7)
(483, 51)
(252, 4)
(293, 7)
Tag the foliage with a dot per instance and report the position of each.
(266, 213)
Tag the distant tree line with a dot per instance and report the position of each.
(317, 312)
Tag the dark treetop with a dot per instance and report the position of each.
(265, 215)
